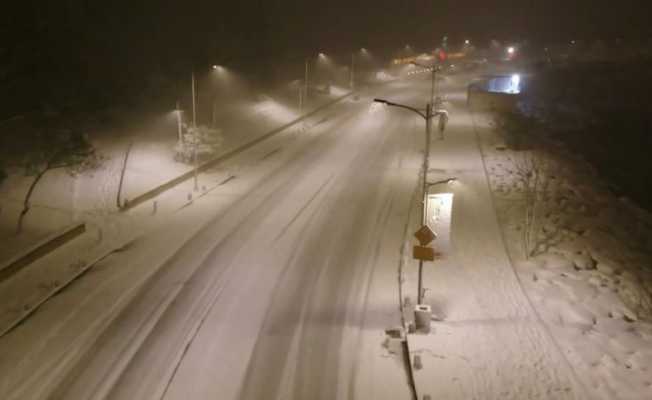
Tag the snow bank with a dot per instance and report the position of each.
(591, 276)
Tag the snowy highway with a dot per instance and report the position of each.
(280, 284)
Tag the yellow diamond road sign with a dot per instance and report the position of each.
(425, 235)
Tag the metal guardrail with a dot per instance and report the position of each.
(41, 249)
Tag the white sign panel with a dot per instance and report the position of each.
(439, 210)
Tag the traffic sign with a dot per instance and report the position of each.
(425, 235)
(424, 253)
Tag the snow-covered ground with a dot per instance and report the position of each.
(280, 279)
(209, 290)
(61, 199)
(487, 341)
(591, 277)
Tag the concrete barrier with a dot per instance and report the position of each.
(132, 203)
(39, 250)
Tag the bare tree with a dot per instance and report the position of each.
(533, 169)
(45, 150)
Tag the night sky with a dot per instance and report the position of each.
(119, 41)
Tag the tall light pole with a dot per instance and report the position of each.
(194, 127)
(353, 72)
(179, 124)
(433, 69)
(305, 96)
(194, 101)
(429, 115)
(304, 99)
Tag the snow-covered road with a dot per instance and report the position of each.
(286, 292)
(290, 279)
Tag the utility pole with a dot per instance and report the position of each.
(305, 97)
(429, 115)
(433, 86)
(194, 126)
(432, 89)
(424, 190)
(194, 102)
(179, 124)
(353, 71)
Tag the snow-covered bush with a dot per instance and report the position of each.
(201, 143)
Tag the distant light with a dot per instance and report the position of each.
(467, 42)
(516, 79)
(322, 55)
(511, 50)
(516, 83)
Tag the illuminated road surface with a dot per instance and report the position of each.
(299, 285)
(286, 292)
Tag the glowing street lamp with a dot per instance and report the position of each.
(363, 52)
(303, 98)
(219, 71)
(429, 115)
(194, 123)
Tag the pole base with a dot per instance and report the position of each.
(422, 318)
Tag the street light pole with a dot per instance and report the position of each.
(194, 102)
(429, 115)
(305, 97)
(194, 126)
(433, 69)
(353, 71)
(179, 124)
(424, 189)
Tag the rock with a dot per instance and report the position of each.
(595, 281)
(555, 261)
(629, 315)
(583, 262)
(605, 268)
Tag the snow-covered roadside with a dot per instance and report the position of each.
(591, 277)
(108, 231)
(61, 199)
(487, 341)
(28, 370)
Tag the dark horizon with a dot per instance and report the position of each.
(115, 44)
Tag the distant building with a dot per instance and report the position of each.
(495, 92)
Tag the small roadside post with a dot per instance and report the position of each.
(423, 252)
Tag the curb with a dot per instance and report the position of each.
(40, 250)
(31, 310)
